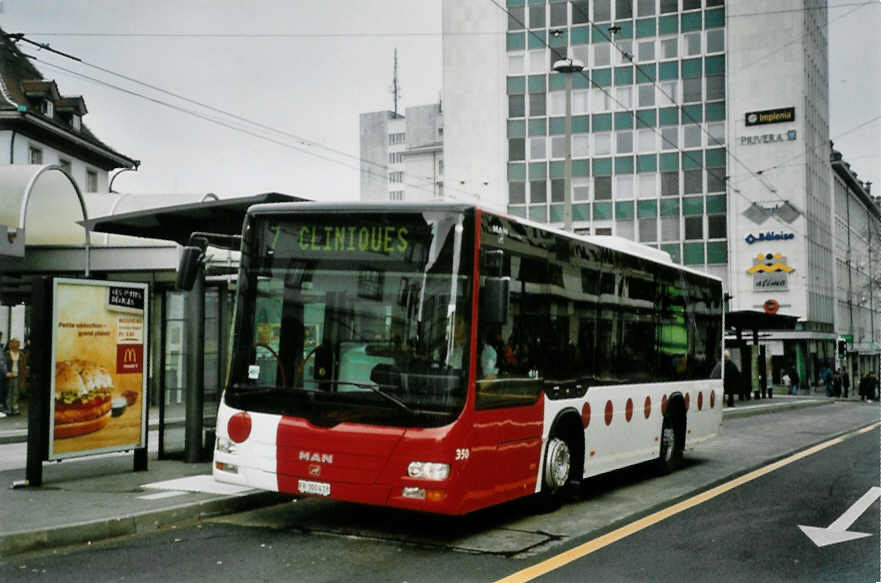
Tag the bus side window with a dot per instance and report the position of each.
(503, 348)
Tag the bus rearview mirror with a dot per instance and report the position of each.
(496, 298)
(188, 267)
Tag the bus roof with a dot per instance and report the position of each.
(619, 244)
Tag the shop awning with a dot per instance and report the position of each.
(177, 222)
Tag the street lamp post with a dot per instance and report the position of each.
(568, 67)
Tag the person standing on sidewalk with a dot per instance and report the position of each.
(845, 383)
(731, 381)
(871, 385)
(793, 378)
(14, 360)
(3, 372)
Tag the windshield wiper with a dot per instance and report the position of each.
(401, 404)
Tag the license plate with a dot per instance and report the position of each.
(318, 488)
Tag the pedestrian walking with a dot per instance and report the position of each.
(13, 368)
(826, 377)
(845, 383)
(836, 384)
(794, 379)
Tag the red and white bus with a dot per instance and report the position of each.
(445, 358)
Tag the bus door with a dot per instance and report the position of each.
(508, 404)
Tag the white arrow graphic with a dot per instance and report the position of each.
(837, 531)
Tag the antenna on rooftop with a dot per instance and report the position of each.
(396, 87)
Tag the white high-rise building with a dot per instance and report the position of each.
(401, 155)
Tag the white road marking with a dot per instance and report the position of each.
(203, 484)
(837, 531)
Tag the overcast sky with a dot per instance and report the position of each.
(309, 68)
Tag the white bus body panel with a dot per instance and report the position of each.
(256, 457)
(621, 443)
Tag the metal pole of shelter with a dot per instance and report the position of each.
(41, 367)
(195, 319)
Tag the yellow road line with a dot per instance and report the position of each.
(596, 544)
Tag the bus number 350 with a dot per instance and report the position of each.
(462, 453)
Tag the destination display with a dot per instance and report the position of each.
(397, 238)
(386, 239)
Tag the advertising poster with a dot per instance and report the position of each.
(99, 331)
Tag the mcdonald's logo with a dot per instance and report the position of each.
(129, 358)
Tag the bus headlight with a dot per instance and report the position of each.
(224, 445)
(428, 470)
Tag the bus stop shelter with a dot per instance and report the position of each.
(175, 223)
(744, 325)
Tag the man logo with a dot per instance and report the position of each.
(311, 456)
(315, 470)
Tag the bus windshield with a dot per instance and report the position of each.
(353, 318)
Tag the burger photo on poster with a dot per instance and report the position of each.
(82, 398)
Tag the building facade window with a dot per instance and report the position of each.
(91, 181)
(396, 177)
(35, 155)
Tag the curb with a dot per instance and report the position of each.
(21, 435)
(750, 410)
(151, 521)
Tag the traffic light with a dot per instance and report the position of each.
(842, 348)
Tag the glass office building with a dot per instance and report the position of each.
(700, 127)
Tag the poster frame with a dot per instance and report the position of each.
(142, 442)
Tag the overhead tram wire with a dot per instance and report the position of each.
(428, 187)
(857, 127)
(776, 50)
(683, 153)
(310, 35)
(222, 123)
(756, 175)
(301, 140)
(683, 111)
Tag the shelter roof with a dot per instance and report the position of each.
(755, 320)
(177, 222)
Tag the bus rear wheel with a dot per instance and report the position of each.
(672, 445)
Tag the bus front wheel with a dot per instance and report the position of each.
(555, 474)
(558, 465)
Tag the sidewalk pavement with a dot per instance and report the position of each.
(88, 499)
